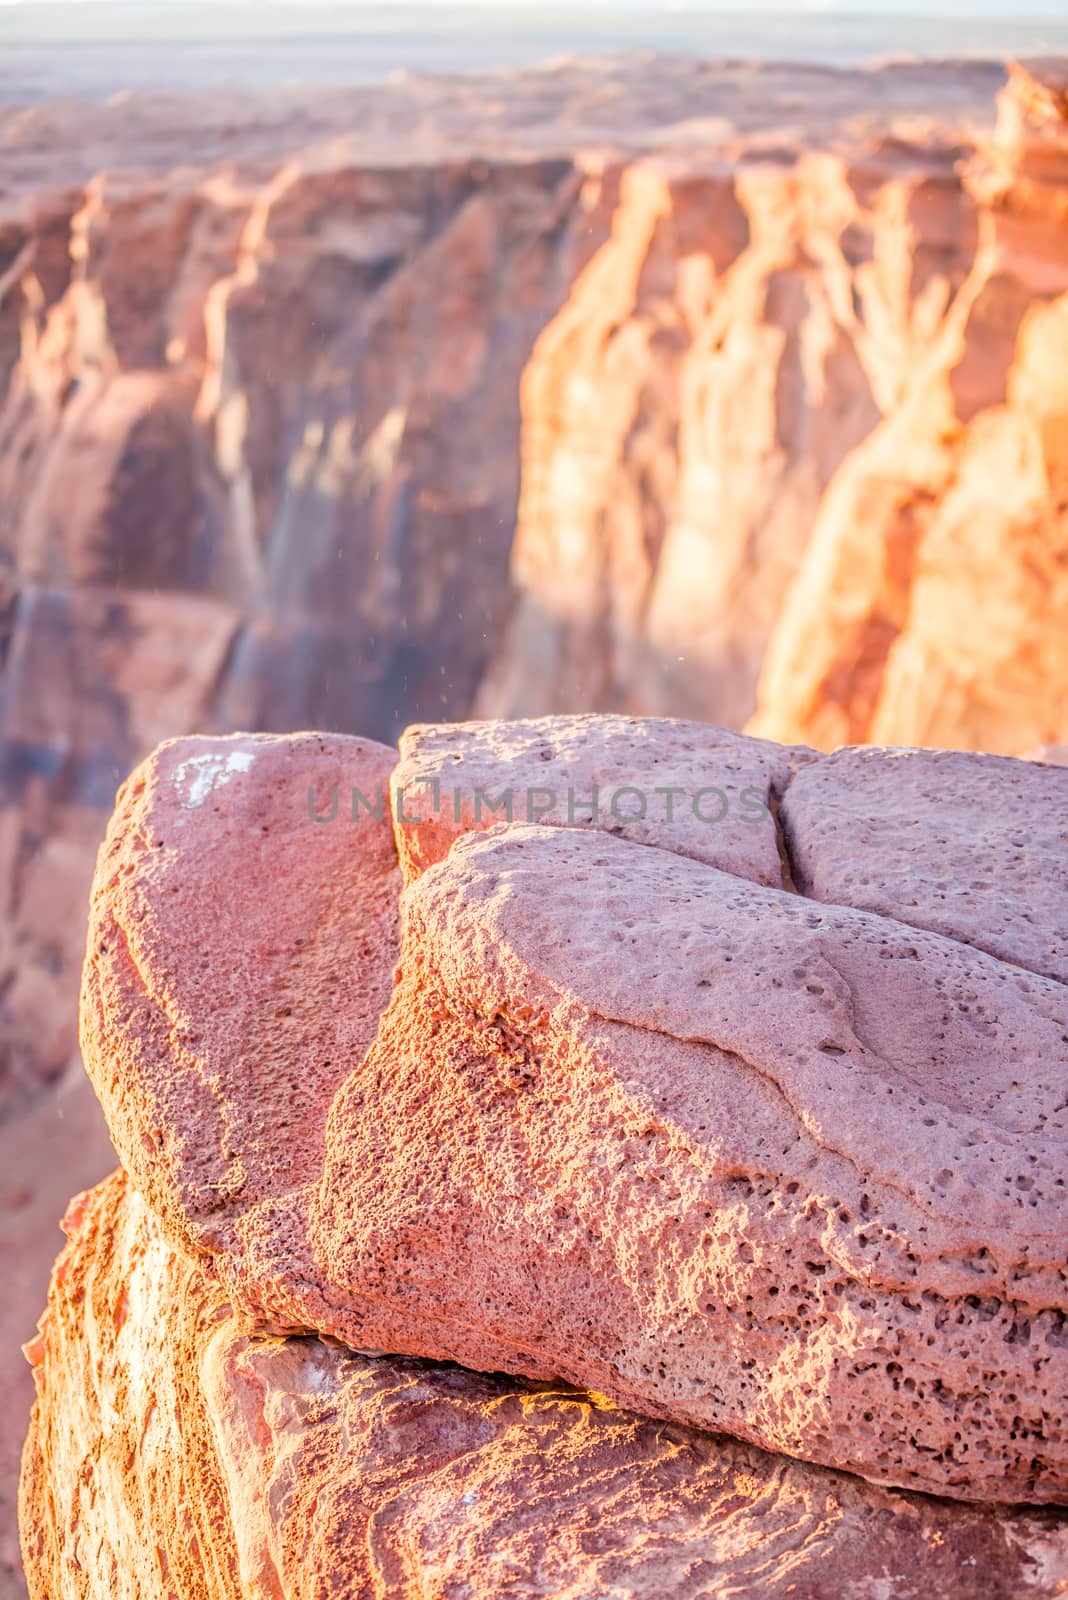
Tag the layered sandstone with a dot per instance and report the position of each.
(225, 450)
(926, 607)
(59, 1146)
(206, 1461)
(754, 1123)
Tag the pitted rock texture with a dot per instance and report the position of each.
(795, 1172)
(699, 791)
(993, 832)
(223, 1099)
(735, 1156)
(207, 1462)
(246, 347)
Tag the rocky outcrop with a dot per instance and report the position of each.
(750, 1115)
(511, 393)
(208, 1462)
(567, 390)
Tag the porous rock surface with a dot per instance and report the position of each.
(245, 949)
(174, 1452)
(699, 791)
(992, 832)
(738, 1155)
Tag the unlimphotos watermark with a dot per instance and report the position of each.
(427, 799)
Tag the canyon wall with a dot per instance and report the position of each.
(798, 446)
(675, 387)
(259, 468)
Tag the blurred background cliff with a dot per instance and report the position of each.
(361, 366)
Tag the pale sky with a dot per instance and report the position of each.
(995, 11)
(941, 8)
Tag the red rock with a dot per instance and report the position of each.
(43, 1152)
(925, 607)
(793, 417)
(723, 1155)
(728, 1154)
(210, 1464)
(245, 946)
(194, 361)
(990, 833)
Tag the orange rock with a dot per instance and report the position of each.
(207, 1462)
(926, 608)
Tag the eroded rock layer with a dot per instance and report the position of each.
(750, 1117)
(796, 445)
(173, 1452)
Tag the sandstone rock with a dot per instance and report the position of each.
(726, 1153)
(209, 1463)
(244, 352)
(990, 835)
(144, 1510)
(219, 888)
(683, 416)
(682, 786)
(262, 457)
(924, 608)
(59, 1143)
(222, 453)
(729, 1158)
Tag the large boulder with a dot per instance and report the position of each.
(240, 953)
(733, 1153)
(174, 1452)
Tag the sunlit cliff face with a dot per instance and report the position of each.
(732, 392)
(720, 422)
(727, 391)
(799, 442)
(299, 1466)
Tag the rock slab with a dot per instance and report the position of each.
(783, 1159)
(204, 1462)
